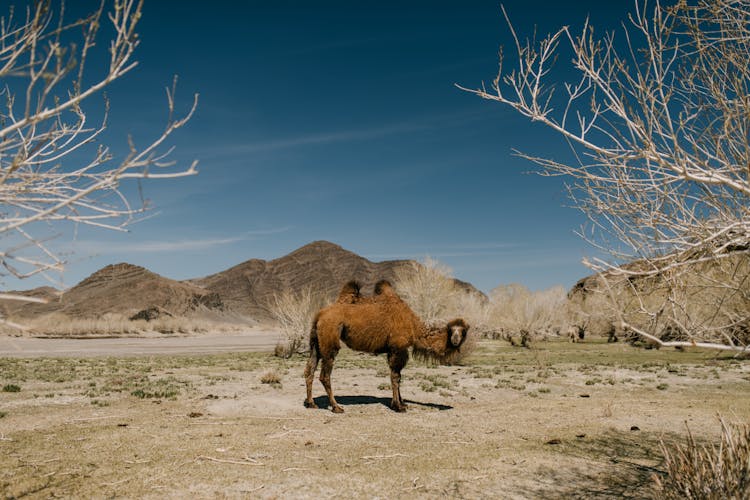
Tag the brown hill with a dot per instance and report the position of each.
(10, 308)
(123, 289)
(249, 287)
(245, 289)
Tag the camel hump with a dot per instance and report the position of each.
(349, 293)
(383, 287)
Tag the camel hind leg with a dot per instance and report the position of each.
(312, 366)
(312, 363)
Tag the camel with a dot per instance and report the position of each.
(381, 324)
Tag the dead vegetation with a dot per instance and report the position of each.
(508, 422)
(294, 311)
(113, 324)
(707, 471)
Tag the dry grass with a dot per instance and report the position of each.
(60, 325)
(713, 472)
(507, 423)
(294, 311)
(271, 377)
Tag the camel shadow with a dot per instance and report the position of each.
(323, 402)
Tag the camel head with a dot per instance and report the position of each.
(457, 330)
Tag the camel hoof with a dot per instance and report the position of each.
(310, 404)
(398, 408)
(337, 409)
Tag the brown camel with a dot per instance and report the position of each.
(381, 324)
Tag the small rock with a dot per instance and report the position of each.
(580, 436)
(584, 395)
(195, 414)
(634, 428)
(553, 441)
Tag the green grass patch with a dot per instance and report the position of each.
(160, 388)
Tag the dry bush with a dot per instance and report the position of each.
(58, 324)
(708, 301)
(700, 472)
(431, 292)
(428, 289)
(515, 310)
(271, 377)
(294, 310)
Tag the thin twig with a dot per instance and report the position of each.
(383, 457)
(225, 461)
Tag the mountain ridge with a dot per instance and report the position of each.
(245, 289)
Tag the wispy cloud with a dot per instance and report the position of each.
(159, 246)
(326, 138)
(171, 246)
(448, 251)
(425, 123)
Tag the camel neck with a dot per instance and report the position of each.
(432, 341)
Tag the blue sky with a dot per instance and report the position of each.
(341, 121)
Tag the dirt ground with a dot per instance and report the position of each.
(556, 421)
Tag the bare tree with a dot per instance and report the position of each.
(55, 173)
(428, 288)
(659, 121)
(515, 309)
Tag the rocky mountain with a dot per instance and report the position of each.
(123, 289)
(244, 290)
(248, 288)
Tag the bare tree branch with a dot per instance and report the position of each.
(659, 119)
(45, 131)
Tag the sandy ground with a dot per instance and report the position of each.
(258, 340)
(558, 421)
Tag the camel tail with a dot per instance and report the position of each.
(314, 348)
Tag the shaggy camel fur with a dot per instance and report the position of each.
(381, 324)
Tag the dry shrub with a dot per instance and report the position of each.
(58, 324)
(270, 377)
(512, 310)
(430, 291)
(700, 472)
(515, 310)
(427, 288)
(294, 310)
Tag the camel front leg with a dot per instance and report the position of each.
(397, 360)
(325, 379)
